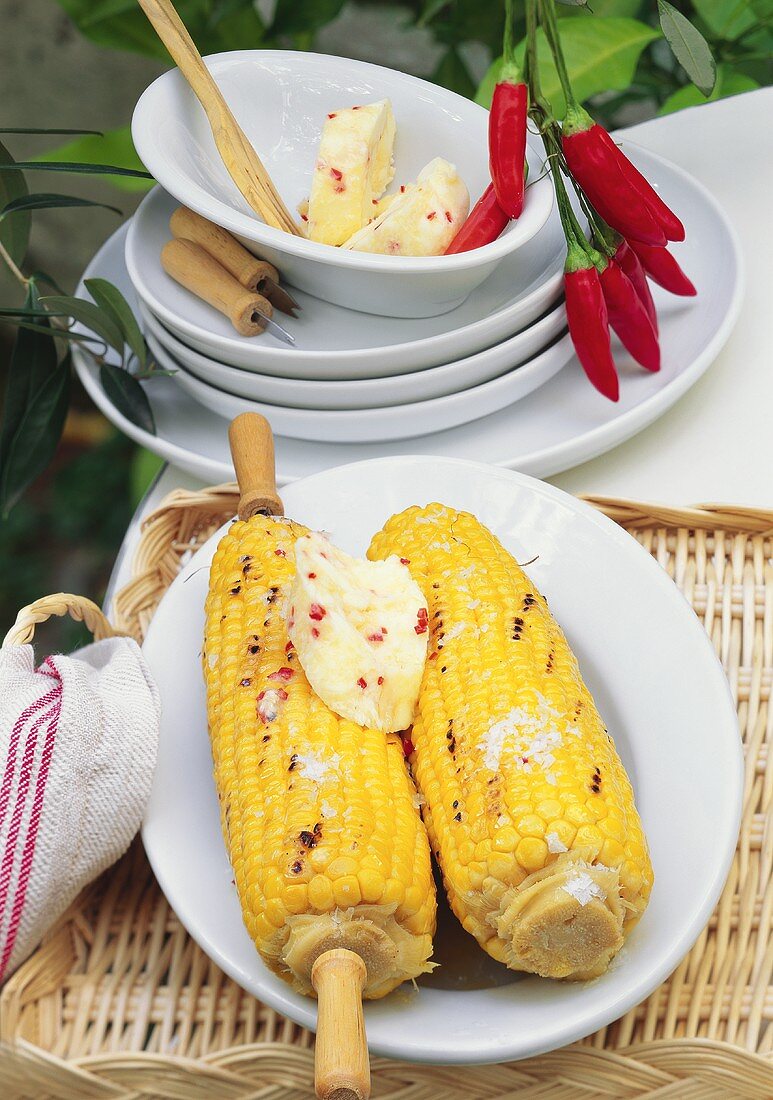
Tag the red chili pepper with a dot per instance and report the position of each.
(663, 215)
(663, 269)
(596, 167)
(631, 265)
(628, 317)
(586, 313)
(484, 223)
(507, 140)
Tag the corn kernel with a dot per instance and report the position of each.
(371, 885)
(321, 893)
(532, 853)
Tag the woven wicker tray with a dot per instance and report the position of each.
(119, 1002)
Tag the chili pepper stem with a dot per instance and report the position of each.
(550, 26)
(511, 70)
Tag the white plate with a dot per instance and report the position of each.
(369, 393)
(281, 98)
(657, 681)
(393, 422)
(338, 343)
(560, 425)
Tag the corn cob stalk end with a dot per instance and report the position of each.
(565, 921)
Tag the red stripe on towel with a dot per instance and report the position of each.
(30, 748)
(32, 834)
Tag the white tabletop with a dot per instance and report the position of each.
(716, 444)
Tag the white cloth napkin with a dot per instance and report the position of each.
(78, 740)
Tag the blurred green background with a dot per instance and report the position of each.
(83, 64)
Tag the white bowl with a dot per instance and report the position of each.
(392, 422)
(280, 99)
(333, 342)
(655, 676)
(369, 393)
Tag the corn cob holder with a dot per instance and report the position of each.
(255, 274)
(193, 267)
(330, 857)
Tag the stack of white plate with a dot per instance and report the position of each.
(359, 377)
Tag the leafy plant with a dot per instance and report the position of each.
(40, 371)
(616, 49)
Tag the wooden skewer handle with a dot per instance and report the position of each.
(242, 162)
(252, 451)
(341, 1066)
(247, 269)
(174, 34)
(192, 266)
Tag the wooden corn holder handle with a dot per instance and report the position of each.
(193, 267)
(341, 1066)
(252, 451)
(242, 162)
(245, 268)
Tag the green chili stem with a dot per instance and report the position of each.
(550, 26)
(508, 46)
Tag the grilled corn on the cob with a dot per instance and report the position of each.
(529, 809)
(318, 814)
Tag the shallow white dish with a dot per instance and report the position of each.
(560, 425)
(680, 744)
(369, 393)
(280, 98)
(391, 422)
(333, 342)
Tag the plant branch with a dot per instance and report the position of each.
(6, 257)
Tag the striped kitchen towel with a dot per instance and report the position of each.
(78, 739)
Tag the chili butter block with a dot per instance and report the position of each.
(353, 169)
(422, 219)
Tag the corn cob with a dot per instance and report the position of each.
(318, 814)
(529, 809)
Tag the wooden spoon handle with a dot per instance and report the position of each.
(252, 451)
(247, 269)
(193, 267)
(341, 1066)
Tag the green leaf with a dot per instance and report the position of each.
(46, 201)
(35, 440)
(111, 301)
(235, 25)
(89, 315)
(127, 395)
(113, 147)
(68, 166)
(430, 10)
(33, 359)
(106, 10)
(451, 72)
(471, 21)
(145, 468)
(303, 16)
(627, 9)
(689, 47)
(15, 234)
(601, 56)
(37, 130)
(728, 83)
(726, 18)
(61, 334)
(763, 9)
(122, 25)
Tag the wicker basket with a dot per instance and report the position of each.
(119, 1002)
